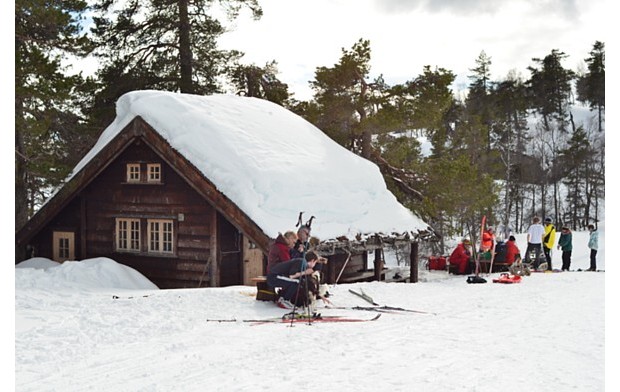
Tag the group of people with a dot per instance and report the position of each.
(461, 255)
(293, 270)
(543, 237)
(540, 239)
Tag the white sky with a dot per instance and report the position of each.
(546, 333)
(406, 35)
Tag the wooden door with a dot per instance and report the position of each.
(252, 261)
(229, 253)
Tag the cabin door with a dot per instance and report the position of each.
(230, 253)
(252, 261)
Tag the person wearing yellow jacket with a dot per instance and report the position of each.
(548, 241)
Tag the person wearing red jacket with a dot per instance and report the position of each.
(512, 250)
(460, 256)
(279, 250)
(488, 240)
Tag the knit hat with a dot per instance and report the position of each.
(548, 220)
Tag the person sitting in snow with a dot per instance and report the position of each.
(460, 256)
(279, 250)
(287, 276)
(302, 243)
(512, 250)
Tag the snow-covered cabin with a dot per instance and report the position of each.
(190, 191)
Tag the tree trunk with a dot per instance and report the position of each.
(185, 50)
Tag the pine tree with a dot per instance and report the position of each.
(254, 81)
(47, 115)
(575, 158)
(510, 137)
(478, 102)
(160, 44)
(550, 93)
(432, 105)
(591, 86)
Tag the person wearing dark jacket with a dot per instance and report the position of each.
(301, 245)
(460, 256)
(279, 250)
(566, 244)
(288, 274)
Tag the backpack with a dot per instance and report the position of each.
(500, 252)
(476, 279)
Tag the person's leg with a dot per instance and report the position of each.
(564, 261)
(537, 255)
(527, 253)
(547, 256)
(289, 291)
(593, 259)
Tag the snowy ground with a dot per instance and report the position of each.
(544, 334)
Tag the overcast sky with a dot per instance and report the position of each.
(406, 35)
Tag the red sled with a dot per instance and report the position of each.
(437, 263)
(505, 278)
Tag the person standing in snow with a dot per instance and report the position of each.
(548, 241)
(535, 234)
(593, 245)
(566, 243)
(461, 255)
(488, 240)
(279, 250)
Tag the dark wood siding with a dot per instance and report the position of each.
(110, 196)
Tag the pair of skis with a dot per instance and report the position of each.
(308, 320)
(377, 307)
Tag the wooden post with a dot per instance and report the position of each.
(378, 264)
(413, 263)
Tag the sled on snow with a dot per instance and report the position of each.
(507, 278)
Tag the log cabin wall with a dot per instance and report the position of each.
(110, 196)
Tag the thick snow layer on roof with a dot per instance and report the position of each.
(270, 162)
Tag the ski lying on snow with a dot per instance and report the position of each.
(380, 309)
(364, 296)
(320, 319)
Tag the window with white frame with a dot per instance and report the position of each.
(160, 235)
(153, 172)
(133, 172)
(63, 245)
(128, 234)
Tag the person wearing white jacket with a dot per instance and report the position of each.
(593, 245)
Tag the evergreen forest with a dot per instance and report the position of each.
(509, 149)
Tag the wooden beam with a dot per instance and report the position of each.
(413, 263)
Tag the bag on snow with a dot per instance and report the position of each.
(476, 279)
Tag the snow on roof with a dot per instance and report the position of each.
(269, 161)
